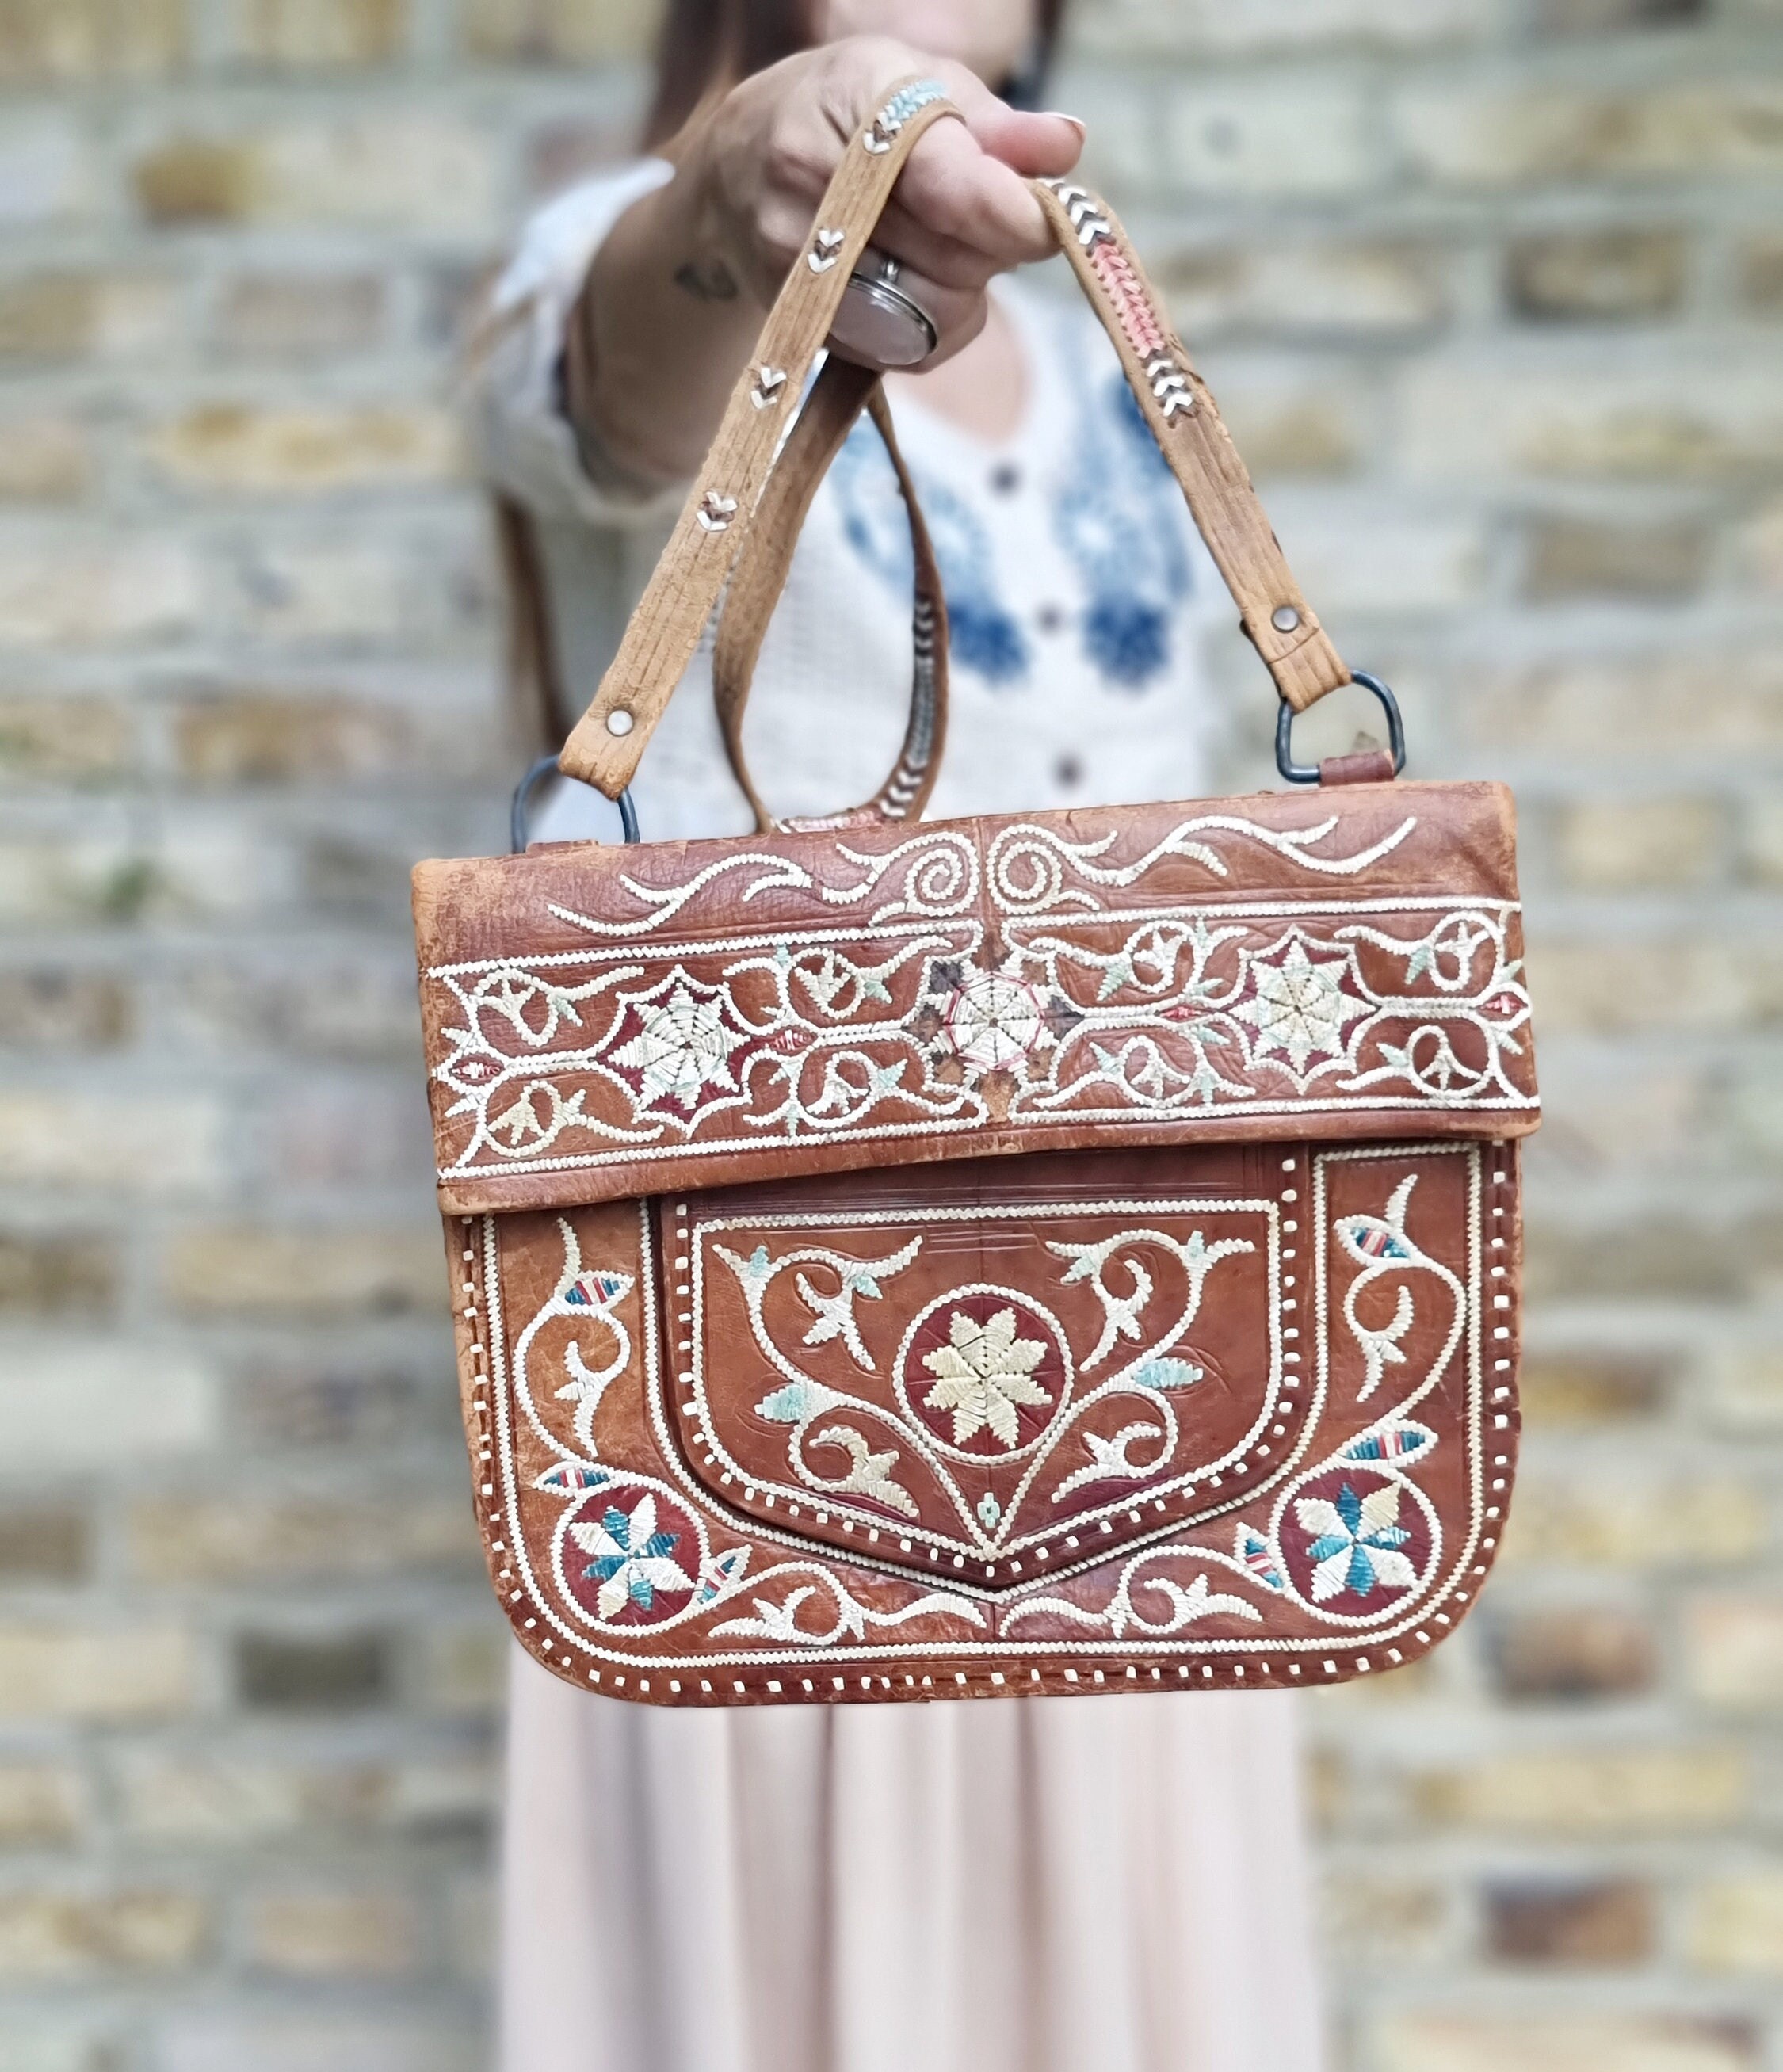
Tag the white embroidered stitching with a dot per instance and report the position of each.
(1285, 1011)
(1502, 1181)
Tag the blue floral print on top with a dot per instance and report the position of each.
(1118, 521)
(1115, 513)
(983, 634)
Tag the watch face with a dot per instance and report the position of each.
(880, 325)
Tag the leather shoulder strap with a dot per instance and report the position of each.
(1180, 408)
(829, 414)
(604, 747)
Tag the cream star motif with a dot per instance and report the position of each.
(683, 1047)
(982, 1374)
(1299, 1007)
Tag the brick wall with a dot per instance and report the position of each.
(1492, 290)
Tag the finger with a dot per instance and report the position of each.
(951, 183)
(953, 189)
(957, 314)
(1038, 146)
(942, 259)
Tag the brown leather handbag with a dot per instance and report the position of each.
(1043, 1255)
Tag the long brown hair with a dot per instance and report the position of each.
(709, 44)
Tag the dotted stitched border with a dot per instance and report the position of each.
(1498, 1428)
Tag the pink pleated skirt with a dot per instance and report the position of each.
(1026, 1885)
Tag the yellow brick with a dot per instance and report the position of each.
(1572, 558)
(64, 740)
(464, 1670)
(1166, 28)
(1638, 1114)
(1584, 1388)
(1735, 1924)
(1264, 138)
(1569, 418)
(1734, 1650)
(1761, 270)
(149, 1145)
(1649, 701)
(320, 33)
(1425, 2040)
(1595, 1790)
(55, 316)
(301, 314)
(332, 1934)
(198, 179)
(267, 738)
(51, 1935)
(77, 39)
(46, 1275)
(40, 1805)
(298, 1272)
(1493, 137)
(1375, 1919)
(43, 460)
(93, 592)
(1762, 846)
(1606, 986)
(213, 1801)
(299, 591)
(1744, 1389)
(1630, 844)
(230, 447)
(1288, 427)
(1320, 291)
(393, 171)
(1758, 547)
(150, 1404)
(214, 1539)
(1365, 560)
(142, 1671)
(1597, 276)
(573, 31)
(1598, 1522)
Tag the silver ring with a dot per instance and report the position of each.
(880, 324)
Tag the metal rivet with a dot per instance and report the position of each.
(1284, 618)
(620, 721)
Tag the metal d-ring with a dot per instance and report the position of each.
(519, 813)
(1308, 773)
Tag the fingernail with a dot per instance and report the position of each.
(1059, 115)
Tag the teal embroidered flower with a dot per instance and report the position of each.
(1356, 1543)
(631, 1560)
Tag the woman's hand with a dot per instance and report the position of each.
(677, 294)
(961, 212)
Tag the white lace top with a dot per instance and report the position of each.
(1074, 576)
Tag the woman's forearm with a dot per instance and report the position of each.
(665, 328)
(677, 294)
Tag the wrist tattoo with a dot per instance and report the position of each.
(706, 281)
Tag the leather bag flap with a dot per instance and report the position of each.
(608, 1022)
